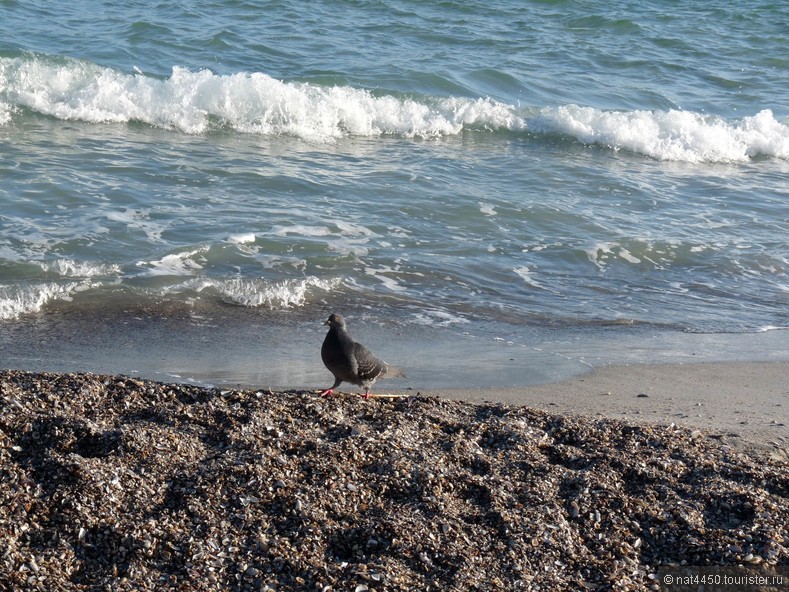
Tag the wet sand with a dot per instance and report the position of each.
(738, 402)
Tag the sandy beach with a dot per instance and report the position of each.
(116, 483)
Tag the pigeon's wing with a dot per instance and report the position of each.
(368, 366)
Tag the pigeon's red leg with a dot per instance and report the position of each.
(330, 391)
(366, 395)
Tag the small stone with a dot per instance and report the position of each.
(207, 488)
(574, 509)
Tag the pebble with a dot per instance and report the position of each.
(184, 482)
(574, 509)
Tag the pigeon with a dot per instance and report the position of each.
(350, 361)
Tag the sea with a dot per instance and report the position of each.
(495, 193)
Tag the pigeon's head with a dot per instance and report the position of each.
(335, 321)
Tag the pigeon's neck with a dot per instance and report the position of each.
(339, 334)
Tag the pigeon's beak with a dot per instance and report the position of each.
(326, 322)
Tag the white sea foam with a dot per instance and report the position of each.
(241, 239)
(255, 103)
(5, 113)
(597, 254)
(440, 318)
(628, 256)
(389, 282)
(351, 229)
(603, 253)
(182, 263)
(281, 294)
(301, 230)
(138, 219)
(487, 209)
(526, 275)
(25, 298)
(349, 241)
(670, 135)
(247, 102)
(768, 328)
(83, 269)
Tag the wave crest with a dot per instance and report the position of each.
(277, 295)
(255, 103)
(670, 135)
(31, 297)
(198, 102)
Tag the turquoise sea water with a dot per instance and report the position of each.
(492, 193)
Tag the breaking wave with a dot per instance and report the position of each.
(65, 280)
(254, 293)
(199, 102)
(32, 297)
(671, 135)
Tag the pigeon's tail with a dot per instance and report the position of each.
(394, 371)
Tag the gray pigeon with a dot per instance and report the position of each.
(350, 361)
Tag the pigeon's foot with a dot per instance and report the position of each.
(327, 393)
(366, 396)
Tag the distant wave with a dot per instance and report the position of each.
(201, 102)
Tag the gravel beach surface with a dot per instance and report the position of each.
(115, 483)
